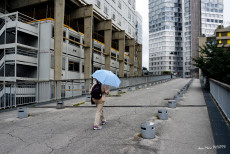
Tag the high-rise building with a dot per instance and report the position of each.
(174, 28)
(139, 28)
(211, 15)
(165, 36)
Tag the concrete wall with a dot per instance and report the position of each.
(45, 55)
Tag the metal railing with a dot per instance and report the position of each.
(21, 93)
(221, 93)
(17, 16)
(2, 24)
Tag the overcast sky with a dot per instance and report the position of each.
(142, 8)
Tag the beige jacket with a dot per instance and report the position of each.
(104, 89)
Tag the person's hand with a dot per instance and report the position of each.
(107, 92)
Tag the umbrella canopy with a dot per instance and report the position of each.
(107, 78)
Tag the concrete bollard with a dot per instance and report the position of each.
(22, 112)
(172, 104)
(88, 98)
(180, 94)
(148, 130)
(177, 98)
(60, 104)
(163, 114)
(119, 91)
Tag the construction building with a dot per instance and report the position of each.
(53, 40)
(30, 41)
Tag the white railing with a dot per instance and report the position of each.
(221, 93)
(2, 24)
(21, 93)
(17, 16)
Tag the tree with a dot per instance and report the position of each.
(214, 62)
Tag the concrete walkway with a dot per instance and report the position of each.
(69, 130)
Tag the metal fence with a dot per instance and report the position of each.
(221, 93)
(21, 93)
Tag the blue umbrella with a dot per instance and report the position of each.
(107, 78)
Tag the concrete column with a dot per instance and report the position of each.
(120, 36)
(59, 7)
(131, 44)
(88, 24)
(108, 42)
(86, 12)
(139, 60)
(106, 26)
(121, 57)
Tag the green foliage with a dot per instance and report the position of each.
(166, 73)
(214, 62)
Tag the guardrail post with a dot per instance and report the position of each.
(72, 88)
(4, 96)
(10, 96)
(15, 94)
(85, 86)
(55, 90)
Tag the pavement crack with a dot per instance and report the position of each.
(15, 136)
(52, 149)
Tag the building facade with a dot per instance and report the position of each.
(139, 30)
(211, 16)
(44, 42)
(31, 49)
(186, 20)
(165, 36)
(122, 12)
(223, 36)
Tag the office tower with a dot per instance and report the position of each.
(165, 36)
(211, 15)
(174, 28)
(139, 28)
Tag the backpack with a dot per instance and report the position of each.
(96, 91)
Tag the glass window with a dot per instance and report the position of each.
(220, 41)
(119, 4)
(98, 4)
(114, 17)
(73, 66)
(105, 10)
